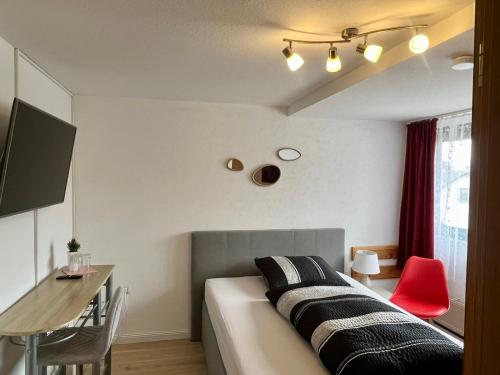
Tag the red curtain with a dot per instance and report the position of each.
(416, 226)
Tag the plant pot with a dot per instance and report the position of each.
(74, 260)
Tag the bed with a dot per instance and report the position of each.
(229, 302)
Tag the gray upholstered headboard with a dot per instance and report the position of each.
(232, 253)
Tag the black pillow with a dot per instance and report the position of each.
(280, 271)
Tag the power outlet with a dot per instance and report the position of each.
(127, 289)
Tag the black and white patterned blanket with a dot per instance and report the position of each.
(356, 334)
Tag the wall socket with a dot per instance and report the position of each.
(127, 289)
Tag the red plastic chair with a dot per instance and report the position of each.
(423, 289)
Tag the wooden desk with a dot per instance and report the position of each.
(52, 305)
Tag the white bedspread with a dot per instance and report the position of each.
(253, 337)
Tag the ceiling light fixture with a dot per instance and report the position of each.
(463, 62)
(333, 63)
(372, 52)
(293, 59)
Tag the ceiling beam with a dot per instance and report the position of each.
(442, 31)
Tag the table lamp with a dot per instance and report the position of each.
(366, 263)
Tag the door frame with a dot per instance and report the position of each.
(482, 324)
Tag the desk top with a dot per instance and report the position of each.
(53, 304)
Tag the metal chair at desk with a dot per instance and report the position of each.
(88, 345)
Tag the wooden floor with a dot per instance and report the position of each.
(176, 357)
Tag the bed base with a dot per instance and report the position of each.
(213, 358)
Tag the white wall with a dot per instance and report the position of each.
(54, 224)
(147, 173)
(32, 243)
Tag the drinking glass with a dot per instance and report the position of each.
(85, 264)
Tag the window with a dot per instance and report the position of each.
(451, 216)
(463, 195)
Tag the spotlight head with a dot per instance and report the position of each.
(288, 52)
(333, 63)
(419, 43)
(332, 53)
(371, 52)
(361, 48)
(293, 59)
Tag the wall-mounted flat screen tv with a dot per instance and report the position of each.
(35, 160)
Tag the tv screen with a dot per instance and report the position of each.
(35, 161)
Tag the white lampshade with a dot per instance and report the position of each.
(293, 59)
(366, 262)
(372, 52)
(333, 63)
(419, 43)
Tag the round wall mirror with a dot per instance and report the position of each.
(234, 165)
(289, 154)
(267, 175)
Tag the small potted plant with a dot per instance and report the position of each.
(73, 263)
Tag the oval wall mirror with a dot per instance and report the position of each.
(234, 165)
(267, 175)
(289, 154)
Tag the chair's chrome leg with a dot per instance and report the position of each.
(96, 368)
(31, 351)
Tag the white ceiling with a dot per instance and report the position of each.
(199, 50)
(422, 86)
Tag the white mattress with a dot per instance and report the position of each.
(253, 337)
